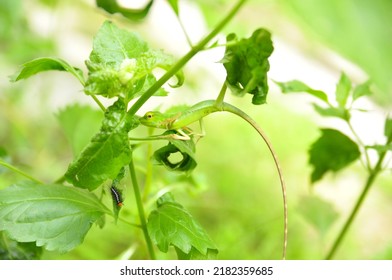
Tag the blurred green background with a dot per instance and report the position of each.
(234, 192)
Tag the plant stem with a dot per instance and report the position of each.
(16, 170)
(177, 67)
(369, 182)
(142, 216)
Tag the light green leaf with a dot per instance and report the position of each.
(362, 90)
(172, 225)
(331, 152)
(54, 216)
(388, 128)
(108, 151)
(343, 90)
(112, 7)
(246, 64)
(338, 112)
(174, 5)
(12, 250)
(319, 213)
(79, 123)
(298, 86)
(45, 64)
(121, 64)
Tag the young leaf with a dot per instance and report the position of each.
(298, 86)
(331, 152)
(172, 225)
(121, 64)
(246, 64)
(12, 250)
(54, 216)
(362, 90)
(185, 148)
(108, 151)
(45, 64)
(319, 213)
(79, 123)
(337, 112)
(388, 128)
(343, 90)
(112, 7)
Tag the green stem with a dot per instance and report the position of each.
(20, 172)
(221, 96)
(177, 67)
(142, 216)
(369, 182)
(367, 165)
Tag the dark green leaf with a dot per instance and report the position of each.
(12, 250)
(184, 149)
(343, 90)
(112, 7)
(298, 86)
(388, 128)
(246, 64)
(79, 123)
(319, 213)
(121, 64)
(174, 5)
(172, 225)
(362, 90)
(54, 216)
(45, 64)
(331, 152)
(108, 151)
(338, 112)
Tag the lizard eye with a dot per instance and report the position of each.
(149, 115)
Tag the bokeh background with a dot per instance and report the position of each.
(234, 192)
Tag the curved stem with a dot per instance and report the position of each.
(176, 67)
(142, 216)
(232, 109)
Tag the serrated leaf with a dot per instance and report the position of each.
(79, 123)
(343, 90)
(246, 64)
(331, 152)
(319, 213)
(362, 90)
(185, 148)
(121, 64)
(45, 64)
(54, 216)
(112, 7)
(108, 151)
(172, 225)
(13, 250)
(338, 112)
(295, 86)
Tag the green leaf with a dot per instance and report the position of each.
(331, 152)
(54, 216)
(45, 64)
(172, 225)
(196, 255)
(338, 112)
(112, 7)
(362, 90)
(318, 212)
(246, 64)
(79, 123)
(121, 64)
(343, 90)
(298, 86)
(381, 148)
(108, 151)
(174, 5)
(185, 149)
(388, 128)
(12, 250)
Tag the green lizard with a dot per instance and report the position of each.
(180, 121)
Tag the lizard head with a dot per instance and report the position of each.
(152, 119)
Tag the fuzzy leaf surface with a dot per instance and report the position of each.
(54, 216)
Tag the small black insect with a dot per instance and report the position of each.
(116, 196)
